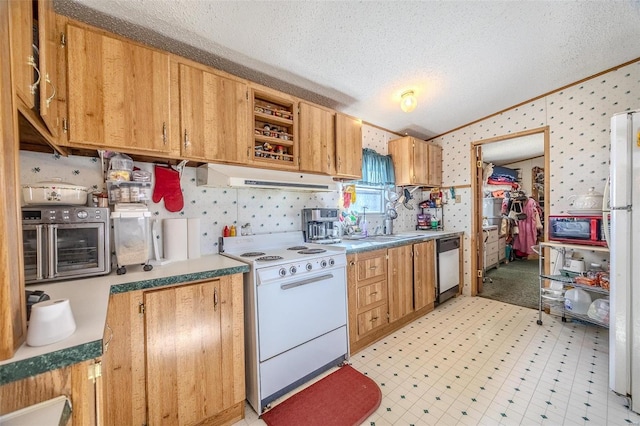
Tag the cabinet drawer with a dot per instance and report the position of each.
(491, 259)
(371, 294)
(492, 248)
(492, 236)
(371, 320)
(372, 265)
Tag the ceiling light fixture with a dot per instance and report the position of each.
(408, 101)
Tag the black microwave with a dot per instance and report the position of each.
(587, 230)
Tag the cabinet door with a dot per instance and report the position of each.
(194, 338)
(434, 165)
(12, 304)
(400, 282)
(420, 163)
(48, 43)
(401, 151)
(24, 52)
(316, 129)
(348, 147)
(424, 274)
(118, 93)
(214, 116)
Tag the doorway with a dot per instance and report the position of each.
(526, 152)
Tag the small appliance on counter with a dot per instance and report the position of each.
(320, 226)
(132, 236)
(65, 242)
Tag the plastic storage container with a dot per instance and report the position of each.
(132, 236)
(128, 192)
(577, 301)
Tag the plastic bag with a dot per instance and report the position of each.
(599, 310)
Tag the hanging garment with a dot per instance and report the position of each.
(527, 228)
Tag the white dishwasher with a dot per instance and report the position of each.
(448, 256)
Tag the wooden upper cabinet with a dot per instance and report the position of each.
(416, 162)
(434, 175)
(214, 116)
(424, 274)
(118, 93)
(36, 45)
(348, 147)
(25, 53)
(49, 44)
(316, 130)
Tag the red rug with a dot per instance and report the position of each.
(345, 397)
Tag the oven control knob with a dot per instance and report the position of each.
(82, 214)
(293, 270)
(323, 263)
(332, 262)
(282, 272)
(309, 266)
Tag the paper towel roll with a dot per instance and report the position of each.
(174, 239)
(193, 237)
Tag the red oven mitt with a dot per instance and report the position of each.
(168, 187)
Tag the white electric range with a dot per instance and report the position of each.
(295, 311)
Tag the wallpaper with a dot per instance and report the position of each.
(578, 118)
(266, 210)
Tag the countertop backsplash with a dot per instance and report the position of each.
(266, 210)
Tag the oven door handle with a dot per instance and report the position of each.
(39, 254)
(305, 282)
(53, 251)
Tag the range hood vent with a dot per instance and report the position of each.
(224, 175)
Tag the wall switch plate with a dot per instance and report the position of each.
(458, 199)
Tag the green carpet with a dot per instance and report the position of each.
(516, 283)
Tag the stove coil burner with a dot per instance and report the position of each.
(252, 254)
(269, 258)
(297, 248)
(312, 251)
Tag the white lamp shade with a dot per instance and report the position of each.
(408, 101)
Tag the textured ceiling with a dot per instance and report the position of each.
(464, 59)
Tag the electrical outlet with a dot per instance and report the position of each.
(458, 199)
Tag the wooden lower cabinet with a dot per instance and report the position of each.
(388, 289)
(72, 381)
(424, 274)
(175, 356)
(400, 281)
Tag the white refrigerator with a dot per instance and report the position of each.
(624, 245)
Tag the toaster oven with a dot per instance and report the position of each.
(577, 229)
(65, 242)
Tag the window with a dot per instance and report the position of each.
(369, 197)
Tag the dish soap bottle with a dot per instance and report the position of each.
(232, 231)
(225, 232)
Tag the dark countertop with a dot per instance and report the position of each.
(389, 241)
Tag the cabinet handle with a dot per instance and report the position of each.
(328, 162)
(187, 143)
(50, 98)
(373, 294)
(32, 87)
(373, 267)
(215, 299)
(352, 263)
(339, 163)
(374, 319)
(164, 132)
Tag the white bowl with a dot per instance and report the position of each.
(50, 322)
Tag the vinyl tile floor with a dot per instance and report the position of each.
(476, 361)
